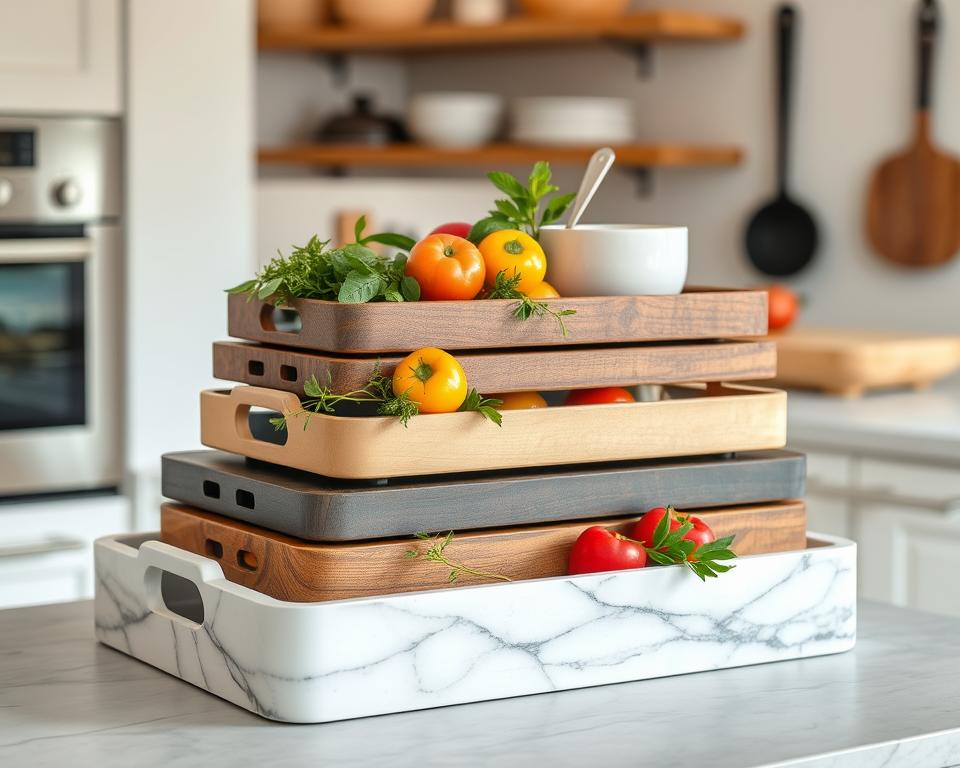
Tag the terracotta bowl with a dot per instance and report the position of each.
(575, 9)
(383, 14)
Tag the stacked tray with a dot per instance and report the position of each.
(325, 515)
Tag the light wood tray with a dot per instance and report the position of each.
(507, 371)
(698, 421)
(849, 362)
(301, 571)
(698, 313)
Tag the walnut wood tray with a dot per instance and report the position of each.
(690, 421)
(317, 508)
(291, 569)
(698, 313)
(511, 371)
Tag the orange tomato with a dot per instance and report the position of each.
(543, 291)
(515, 253)
(447, 267)
(520, 401)
(433, 379)
(782, 307)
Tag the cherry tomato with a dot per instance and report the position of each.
(458, 228)
(518, 401)
(431, 378)
(645, 527)
(447, 268)
(597, 549)
(515, 253)
(782, 307)
(543, 291)
(599, 395)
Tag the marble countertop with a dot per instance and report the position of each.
(923, 424)
(893, 701)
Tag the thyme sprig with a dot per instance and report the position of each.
(378, 389)
(435, 554)
(506, 288)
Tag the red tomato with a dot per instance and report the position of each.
(447, 268)
(644, 528)
(782, 307)
(458, 228)
(599, 395)
(597, 549)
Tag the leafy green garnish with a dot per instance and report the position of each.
(669, 548)
(525, 207)
(485, 406)
(506, 288)
(350, 274)
(435, 555)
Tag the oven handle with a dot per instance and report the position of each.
(48, 547)
(46, 249)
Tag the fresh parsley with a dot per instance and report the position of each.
(506, 288)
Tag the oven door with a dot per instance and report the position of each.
(59, 370)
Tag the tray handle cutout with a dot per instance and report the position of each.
(173, 581)
(245, 398)
(280, 319)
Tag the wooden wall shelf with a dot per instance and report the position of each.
(639, 28)
(417, 156)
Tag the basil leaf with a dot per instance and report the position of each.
(402, 242)
(359, 288)
(556, 207)
(410, 288)
(269, 288)
(506, 182)
(245, 287)
(358, 228)
(485, 227)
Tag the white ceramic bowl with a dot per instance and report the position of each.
(571, 120)
(615, 259)
(454, 119)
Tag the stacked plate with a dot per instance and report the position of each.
(572, 120)
(311, 575)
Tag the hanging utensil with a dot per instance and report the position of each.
(913, 205)
(782, 236)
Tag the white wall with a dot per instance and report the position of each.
(189, 183)
(855, 80)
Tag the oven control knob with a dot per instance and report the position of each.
(6, 191)
(67, 193)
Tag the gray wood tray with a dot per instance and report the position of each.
(322, 509)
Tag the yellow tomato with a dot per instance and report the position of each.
(433, 379)
(515, 253)
(520, 401)
(542, 291)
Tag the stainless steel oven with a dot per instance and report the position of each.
(60, 304)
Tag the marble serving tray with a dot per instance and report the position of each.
(310, 663)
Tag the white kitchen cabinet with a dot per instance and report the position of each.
(46, 546)
(60, 56)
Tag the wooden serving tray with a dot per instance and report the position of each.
(698, 313)
(507, 371)
(317, 508)
(301, 571)
(696, 421)
(849, 362)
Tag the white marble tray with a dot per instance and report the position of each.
(306, 663)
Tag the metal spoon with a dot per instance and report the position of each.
(597, 168)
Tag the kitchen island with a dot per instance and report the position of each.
(894, 701)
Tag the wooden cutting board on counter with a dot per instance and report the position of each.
(849, 362)
(302, 571)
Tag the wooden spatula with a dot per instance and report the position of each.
(913, 206)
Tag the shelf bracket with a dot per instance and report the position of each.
(643, 178)
(642, 54)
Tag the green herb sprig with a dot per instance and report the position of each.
(670, 548)
(350, 274)
(378, 389)
(435, 554)
(526, 207)
(506, 288)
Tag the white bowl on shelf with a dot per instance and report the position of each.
(615, 259)
(455, 119)
(572, 120)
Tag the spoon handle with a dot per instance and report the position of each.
(786, 18)
(597, 168)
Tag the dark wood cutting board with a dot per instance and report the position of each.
(318, 508)
(300, 571)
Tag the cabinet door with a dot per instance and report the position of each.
(60, 56)
(908, 557)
